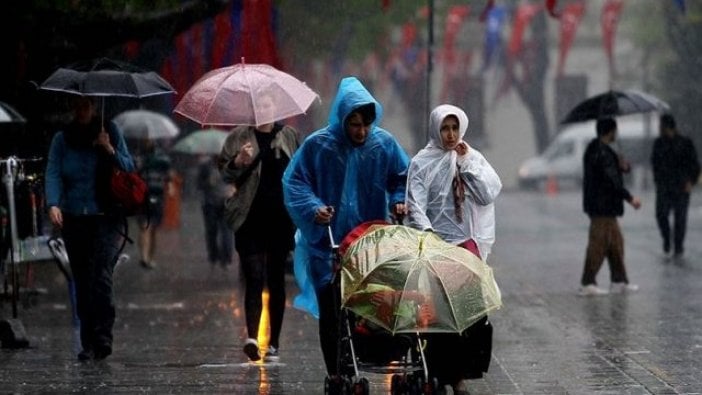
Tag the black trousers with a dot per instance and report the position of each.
(329, 301)
(264, 269)
(677, 203)
(92, 243)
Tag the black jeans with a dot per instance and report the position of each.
(678, 203)
(264, 269)
(92, 243)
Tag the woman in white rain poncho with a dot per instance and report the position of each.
(456, 211)
(450, 191)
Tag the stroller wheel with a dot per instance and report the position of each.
(398, 385)
(361, 387)
(337, 385)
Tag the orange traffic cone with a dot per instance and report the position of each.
(551, 185)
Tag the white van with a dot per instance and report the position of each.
(562, 160)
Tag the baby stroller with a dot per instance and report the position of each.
(398, 286)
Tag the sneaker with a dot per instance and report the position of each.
(251, 350)
(102, 351)
(86, 355)
(271, 355)
(148, 265)
(591, 290)
(620, 288)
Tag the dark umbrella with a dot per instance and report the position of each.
(613, 104)
(107, 78)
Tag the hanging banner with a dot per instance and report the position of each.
(258, 40)
(454, 21)
(455, 18)
(570, 20)
(551, 8)
(681, 5)
(486, 11)
(493, 38)
(524, 14)
(385, 5)
(609, 19)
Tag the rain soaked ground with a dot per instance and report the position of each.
(180, 327)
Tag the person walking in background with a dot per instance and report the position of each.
(79, 164)
(676, 169)
(218, 236)
(154, 166)
(253, 160)
(451, 190)
(603, 197)
(349, 172)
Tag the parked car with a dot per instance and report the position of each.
(562, 160)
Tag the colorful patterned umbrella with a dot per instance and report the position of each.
(405, 280)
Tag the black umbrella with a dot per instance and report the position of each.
(613, 104)
(106, 77)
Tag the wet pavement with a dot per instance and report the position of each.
(180, 327)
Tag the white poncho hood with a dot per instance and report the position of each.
(430, 198)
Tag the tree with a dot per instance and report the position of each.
(39, 36)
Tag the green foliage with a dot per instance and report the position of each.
(102, 6)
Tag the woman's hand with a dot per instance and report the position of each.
(56, 216)
(245, 156)
(462, 148)
(103, 140)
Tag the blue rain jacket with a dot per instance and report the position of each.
(360, 182)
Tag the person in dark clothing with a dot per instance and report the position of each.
(219, 238)
(676, 170)
(155, 168)
(253, 160)
(603, 201)
(77, 176)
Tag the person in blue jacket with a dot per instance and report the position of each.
(79, 164)
(349, 172)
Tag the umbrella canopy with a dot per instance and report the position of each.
(106, 77)
(613, 104)
(9, 114)
(405, 280)
(245, 94)
(145, 124)
(207, 141)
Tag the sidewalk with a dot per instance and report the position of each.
(180, 327)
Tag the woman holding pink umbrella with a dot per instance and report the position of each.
(253, 159)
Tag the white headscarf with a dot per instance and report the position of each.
(430, 197)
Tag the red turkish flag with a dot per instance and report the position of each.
(258, 40)
(609, 19)
(551, 7)
(570, 20)
(385, 5)
(525, 12)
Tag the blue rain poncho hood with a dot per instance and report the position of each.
(430, 198)
(359, 181)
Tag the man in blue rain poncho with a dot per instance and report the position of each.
(346, 173)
